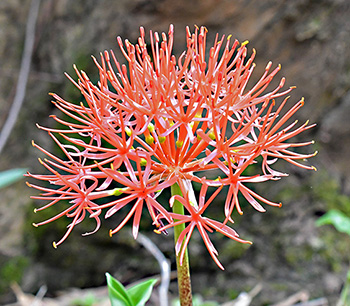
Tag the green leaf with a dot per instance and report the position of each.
(141, 293)
(117, 293)
(10, 176)
(338, 219)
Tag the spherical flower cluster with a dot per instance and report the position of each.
(161, 121)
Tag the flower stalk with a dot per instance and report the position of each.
(182, 265)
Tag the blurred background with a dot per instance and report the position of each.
(309, 38)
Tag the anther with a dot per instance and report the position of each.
(149, 140)
(179, 143)
(212, 135)
(128, 131)
(117, 191)
(151, 127)
(268, 66)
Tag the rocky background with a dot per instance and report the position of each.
(310, 38)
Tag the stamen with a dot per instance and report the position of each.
(151, 127)
(179, 143)
(149, 140)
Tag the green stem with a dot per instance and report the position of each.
(183, 271)
(345, 293)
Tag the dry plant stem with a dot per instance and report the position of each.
(23, 74)
(183, 271)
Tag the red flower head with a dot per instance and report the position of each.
(162, 120)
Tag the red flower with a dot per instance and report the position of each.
(162, 120)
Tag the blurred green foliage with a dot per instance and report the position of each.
(11, 176)
(11, 271)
